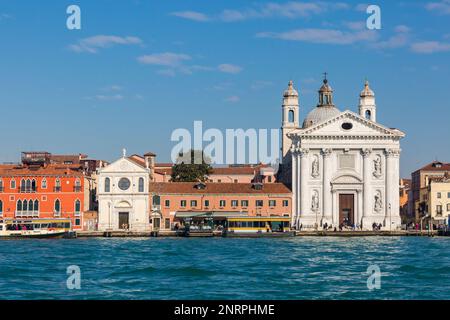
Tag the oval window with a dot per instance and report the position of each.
(347, 126)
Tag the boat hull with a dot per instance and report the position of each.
(259, 234)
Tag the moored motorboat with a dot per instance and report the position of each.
(36, 228)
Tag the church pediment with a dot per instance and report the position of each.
(123, 165)
(347, 179)
(349, 124)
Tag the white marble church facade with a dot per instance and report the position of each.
(344, 166)
(123, 196)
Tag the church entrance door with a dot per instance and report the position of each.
(347, 209)
(124, 220)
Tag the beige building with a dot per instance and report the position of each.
(436, 198)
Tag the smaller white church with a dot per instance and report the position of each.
(123, 196)
(343, 166)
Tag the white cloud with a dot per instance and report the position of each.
(5, 16)
(115, 97)
(233, 99)
(291, 10)
(362, 7)
(93, 44)
(442, 7)
(324, 36)
(164, 59)
(400, 38)
(191, 15)
(229, 68)
(428, 47)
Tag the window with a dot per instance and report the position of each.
(347, 126)
(222, 203)
(448, 195)
(141, 184)
(167, 203)
(206, 203)
(235, 180)
(24, 205)
(13, 184)
(291, 116)
(107, 185)
(33, 185)
(57, 206)
(448, 207)
(244, 203)
(439, 195)
(183, 203)
(77, 206)
(285, 203)
(193, 203)
(124, 184)
(19, 206)
(219, 180)
(78, 222)
(234, 203)
(58, 183)
(439, 209)
(272, 203)
(30, 205)
(1, 185)
(269, 178)
(1, 207)
(259, 203)
(44, 183)
(368, 114)
(156, 200)
(36, 206)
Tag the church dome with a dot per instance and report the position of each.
(325, 109)
(320, 114)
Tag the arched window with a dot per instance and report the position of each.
(33, 185)
(30, 205)
(36, 206)
(1, 207)
(77, 206)
(368, 114)
(1, 185)
(77, 183)
(13, 184)
(44, 184)
(28, 186)
(141, 184)
(22, 185)
(107, 185)
(25, 205)
(57, 206)
(58, 182)
(19, 206)
(291, 116)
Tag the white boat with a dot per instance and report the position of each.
(35, 228)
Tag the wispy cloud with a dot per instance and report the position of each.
(93, 44)
(442, 7)
(290, 10)
(400, 38)
(229, 68)
(427, 47)
(114, 97)
(191, 15)
(260, 84)
(164, 59)
(233, 99)
(5, 16)
(322, 36)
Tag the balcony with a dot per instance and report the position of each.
(24, 189)
(57, 189)
(27, 214)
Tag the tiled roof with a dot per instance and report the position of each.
(217, 188)
(436, 166)
(51, 169)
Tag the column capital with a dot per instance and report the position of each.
(326, 152)
(366, 152)
(392, 152)
(303, 152)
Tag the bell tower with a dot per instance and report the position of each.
(367, 107)
(290, 116)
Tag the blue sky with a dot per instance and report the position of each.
(137, 70)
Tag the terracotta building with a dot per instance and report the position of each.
(45, 186)
(171, 201)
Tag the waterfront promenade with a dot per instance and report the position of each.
(397, 233)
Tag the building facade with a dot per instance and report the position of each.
(169, 200)
(123, 196)
(42, 188)
(344, 165)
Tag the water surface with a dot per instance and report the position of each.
(220, 268)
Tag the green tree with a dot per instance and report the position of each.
(191, 166)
